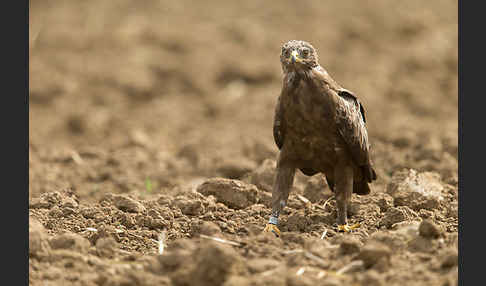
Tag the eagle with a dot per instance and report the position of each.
(319, 127)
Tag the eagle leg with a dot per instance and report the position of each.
(344, 189)
(280, 194)
(348, 228)
(272, 228)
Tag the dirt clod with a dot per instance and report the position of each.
(233, 193)
(38, 240)
(70, 241)
(374, 253)
(349, 245)
(213, 265)
(429, 229)
(106, 247)
(127, 204)
(396, 215)
(449, 259)
(416, 190)
(189, 207)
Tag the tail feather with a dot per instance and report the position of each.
(361, 188)
(369, 173)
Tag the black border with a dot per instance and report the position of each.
(15, 132)
(471, 185)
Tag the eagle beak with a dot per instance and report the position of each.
(294, 57)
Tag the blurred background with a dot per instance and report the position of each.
(123, 93)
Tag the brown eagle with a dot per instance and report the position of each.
(319, 127)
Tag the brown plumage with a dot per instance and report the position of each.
(319, 127)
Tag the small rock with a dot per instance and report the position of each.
(397, 214)
(416, 190)
(127, 204)
(263, 176)
(233, 193)
(429, 229)
(70, 241)
(189, 207)
(373, 253)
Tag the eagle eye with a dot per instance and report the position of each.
(285, 52)
(305, 52)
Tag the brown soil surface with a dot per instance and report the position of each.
(151, 121)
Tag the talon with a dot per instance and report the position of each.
(348, 228)
(272, 228)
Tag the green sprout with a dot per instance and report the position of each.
(148, 185)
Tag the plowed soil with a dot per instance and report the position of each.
(151, 156)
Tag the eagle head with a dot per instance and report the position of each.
(298, 55)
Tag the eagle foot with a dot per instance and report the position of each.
(272, 228)
(348, 228)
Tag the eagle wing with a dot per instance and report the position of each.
(351, 125)
(278, 127)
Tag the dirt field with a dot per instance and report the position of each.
(150, 131)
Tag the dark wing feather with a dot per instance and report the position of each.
(278, 127)
(350, 119)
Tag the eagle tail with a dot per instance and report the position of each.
(369, 173)
(361, 188)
